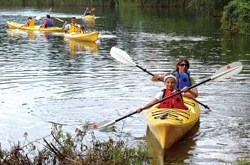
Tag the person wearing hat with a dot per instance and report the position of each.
(184, 80)
(170, 89)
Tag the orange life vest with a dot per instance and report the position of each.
(173, 102)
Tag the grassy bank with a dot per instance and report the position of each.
(64, 148)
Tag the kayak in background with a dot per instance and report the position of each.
(90, 37)
(13, 25)
(88, 17)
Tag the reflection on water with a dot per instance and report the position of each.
(14, 34)
(80, 46)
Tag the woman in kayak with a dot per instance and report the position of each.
(47, 22)
(183, 77)
(170, 89)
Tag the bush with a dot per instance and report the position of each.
(65, 148)
(236, 17)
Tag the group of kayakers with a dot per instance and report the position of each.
(47, 22)
(179, 80)
(70, 27)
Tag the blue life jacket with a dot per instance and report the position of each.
(49, 23)
(183, 79)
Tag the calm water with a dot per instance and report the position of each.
(45, 78)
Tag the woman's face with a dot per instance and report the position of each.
(182, 67)
(170, 83)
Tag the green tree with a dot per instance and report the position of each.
(236, 17)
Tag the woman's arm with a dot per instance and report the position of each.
(192, 93)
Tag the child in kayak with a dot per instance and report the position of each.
(30, 22)
(173, 102)
(82, 29)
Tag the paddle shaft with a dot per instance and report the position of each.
(59, 19)
(145, 70)
(146, 107)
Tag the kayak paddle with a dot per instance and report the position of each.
(124, 58)
(223, 73)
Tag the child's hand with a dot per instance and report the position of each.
(138, 110)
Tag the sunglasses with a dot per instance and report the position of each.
(183, 65)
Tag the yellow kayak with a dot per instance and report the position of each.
(90, 37)
(13, 25)
(170, 125)
(88, 17)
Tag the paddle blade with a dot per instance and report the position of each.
(93, 9)
(49, 10)
(38, 17)
(103, 124)
(121, 56)
(227, 71)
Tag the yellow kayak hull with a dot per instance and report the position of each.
(13, 25)
(89, 37)
(170, 125)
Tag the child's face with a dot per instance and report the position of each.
(170, 83)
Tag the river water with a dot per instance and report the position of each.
(45, 78)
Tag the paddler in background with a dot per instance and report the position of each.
(30, 22)
(47, 22)
(72, 27)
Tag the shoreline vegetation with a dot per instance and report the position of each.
(234, 14)
(64, 148)
(79, 148)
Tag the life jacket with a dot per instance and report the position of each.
(183, 79)
(73, 28)
(173, 102)
(49, 23)
(31, 22)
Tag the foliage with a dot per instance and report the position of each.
(236, 17)
(243, 162)
(211, 6)
(65, 148)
